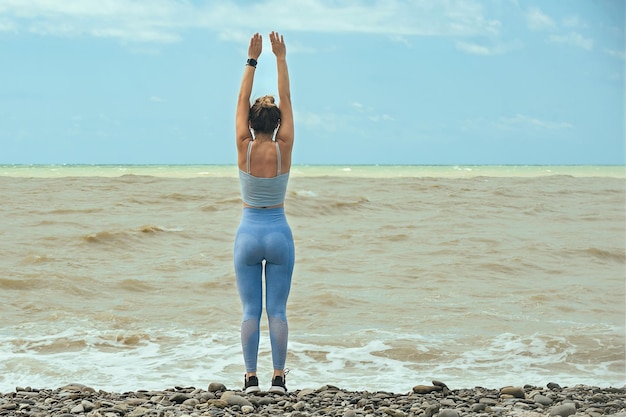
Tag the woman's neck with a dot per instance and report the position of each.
(263, 137)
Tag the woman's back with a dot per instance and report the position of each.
(263, 159)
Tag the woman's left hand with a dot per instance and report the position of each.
(278, 45)
(256, 46)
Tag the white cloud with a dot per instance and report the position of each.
(573, 22)
(400, 39)
(381, 118)
(157, 99)
(472, 48)
(326, 121)
(163, 21)
(370, 113)
(520, 120)
(516, 122)
(617, 54)
(537, 20)
(574, 39)
(7, 26)
(476, 49)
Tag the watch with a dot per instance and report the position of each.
(252, 62)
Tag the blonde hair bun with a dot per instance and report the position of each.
(266, 101)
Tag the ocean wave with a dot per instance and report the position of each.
(127, 235)
(152, 358)
(617, 255)
(184, 197)
(33, 259)
(73, 211)
(135, 285)
(310, 205)
(225, 203)
(17, 284)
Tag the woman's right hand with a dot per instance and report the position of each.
(256, 46)
(278, 45)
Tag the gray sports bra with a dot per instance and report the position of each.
(263, 192)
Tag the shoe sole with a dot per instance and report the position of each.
(252, 389)
(277, 390)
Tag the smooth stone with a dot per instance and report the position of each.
(553, 386)
(237, 400)
(431, 410)
(191, 402)
(137, 401)
(216, 386)
(247, 409)
(266, 401)
(305, 392)
(30, 394)
(218, 403)
(439, 384)
(564, 410)
(448, 402)
(179, 398)
(516, 392)
(350, 413)
(426, 389)
(112, 411)
(478, 408)
(488, 401)
(87, 405)
(74, 387)
(72, 395)
(542, 399)
(446, 412)
(394, 413)
(77, 409)
(138, 412)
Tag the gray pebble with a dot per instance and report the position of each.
(542, 399)
(448, 413)
(516, 392)
(179, 398)
(216, 386)
(237, 400)
(563, 410)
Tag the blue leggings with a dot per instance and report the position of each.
(264, 235)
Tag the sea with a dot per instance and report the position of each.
(121, 277)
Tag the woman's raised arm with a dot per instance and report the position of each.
(242, 128)
(285, 132)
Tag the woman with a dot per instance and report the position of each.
(264, 243)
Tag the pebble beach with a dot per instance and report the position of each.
(217, 400)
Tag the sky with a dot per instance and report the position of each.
(372, 81)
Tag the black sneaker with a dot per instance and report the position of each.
(251, 384)
(278, 385)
